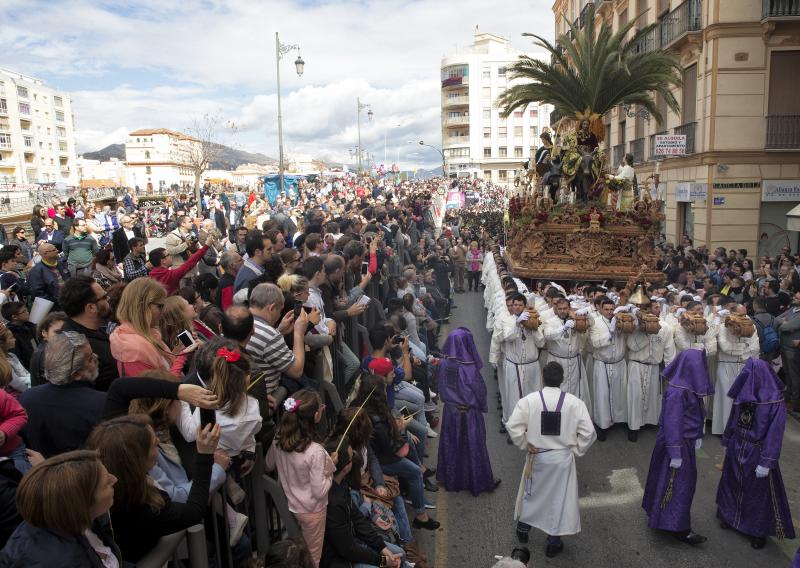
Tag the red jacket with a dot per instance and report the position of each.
(12, 419)
(171, 277)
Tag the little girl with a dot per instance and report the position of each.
(305, 470)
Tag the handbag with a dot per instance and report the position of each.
(551, 420)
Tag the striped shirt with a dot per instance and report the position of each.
(270, 355)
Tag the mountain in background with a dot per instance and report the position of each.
(228, 159)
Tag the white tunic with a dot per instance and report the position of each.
(497, 356)
(646, 352)
(733, 353)
(609, 372)
(566, 347)
(548, 498)
(521, 373)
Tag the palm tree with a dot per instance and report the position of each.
(596, 72)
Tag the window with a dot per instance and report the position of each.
(486, 93)
(28, 141)
(517, 114)
(487, 132)
(62, 146)
(58, 101)
(49, 132)
(689, 101)
(24, 108)
(502, 151)
(486, 72)
(502, 131)
(517, 152)
(50, 146)
(147, 154)
(4, 125)
(518, 131)
(534, 113)
(534, 132)
(60, 115)
(5, 140)
(487, 113)
(501, 71)
(62, 132)
(2, 88)
(503, 175)
(22, 91)
(3, 106)
(487, 174)
(148, 170)
(487, 152)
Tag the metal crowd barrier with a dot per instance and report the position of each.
(172, 548)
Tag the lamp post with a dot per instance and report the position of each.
(359, 107)
(282, 49)
(444, 171)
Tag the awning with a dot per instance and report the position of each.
(793, 219)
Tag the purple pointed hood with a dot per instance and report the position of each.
(689, 370)
(460, 348)
(757, 383)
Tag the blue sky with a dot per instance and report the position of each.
(163, 63)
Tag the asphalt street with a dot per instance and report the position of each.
(611, 479)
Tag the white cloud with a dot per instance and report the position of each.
(204, 56)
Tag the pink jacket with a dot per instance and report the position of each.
(12, 419)
(305, 476)
(135, 354)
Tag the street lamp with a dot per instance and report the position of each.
(282, 49)
(444, 171)
(643, 112)
(361, 106)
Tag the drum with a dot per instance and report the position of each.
(649, 324)
(533, 322)
(740, 326)
(695, 324)
(626, 322)
(581, 323)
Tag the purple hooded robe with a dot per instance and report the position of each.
(669, 492)
(753, 437)
(463, 458)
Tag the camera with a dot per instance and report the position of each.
(190, 238)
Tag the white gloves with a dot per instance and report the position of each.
(524, 316)
(613, 326)
(582, 311)
(494, 366)
(761, 471)
(675, 463)
(698, 443)
(569, 324)
(619, 309)
(679, 312)
(722, 313)
(634, 310)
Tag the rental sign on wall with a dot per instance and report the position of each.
(780, 190)
(670, 145)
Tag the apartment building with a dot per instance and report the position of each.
(37, 136)
(740, 113)
(475, 140)
(157, 159)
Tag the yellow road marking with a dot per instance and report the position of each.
(441, 534)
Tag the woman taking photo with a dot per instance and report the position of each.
(136, 343)
(64, 502)
(37, 220)
(142, 513)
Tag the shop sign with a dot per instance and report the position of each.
(737, 185)
(780, 190)
(686, 192)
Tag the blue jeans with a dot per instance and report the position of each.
(393, 548)
(401, 516)
(20, 459)
(411, 473)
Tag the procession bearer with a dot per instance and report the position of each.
(521, 373)
(554, 427)
(565, 346)
(609, 370)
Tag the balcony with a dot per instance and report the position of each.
(650, 42)
(637, 149)
(688, 130)
(583, 18)
(3, 109)
(455, 82)
(448, 102)
(456, 121)
(679, 23)
(653, 145)
(783, 132)
(618, 152)
(778, 9)
(455, 141)
(5, 145)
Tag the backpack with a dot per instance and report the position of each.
(767, 337)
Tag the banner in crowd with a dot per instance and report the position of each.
(455, 200)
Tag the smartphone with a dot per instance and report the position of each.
(186, 338)
(308, 309)
(13, 287)
(404, 412)
(364, 268)
(297, 307)
(397, 340)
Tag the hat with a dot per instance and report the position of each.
(381, 366)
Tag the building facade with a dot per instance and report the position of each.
(94, 173)
(740, 113)
(158, 159)
(37, 134)
(476, 141)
